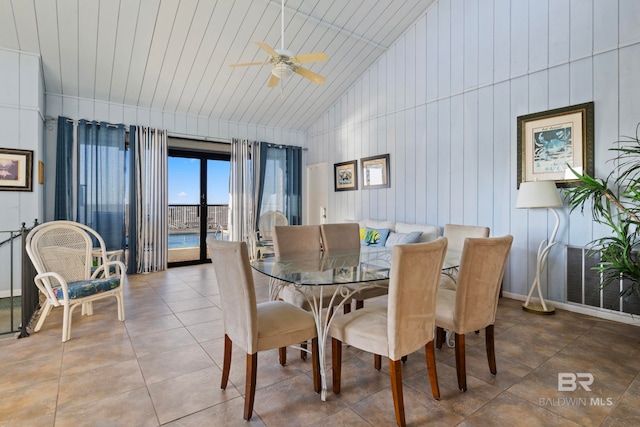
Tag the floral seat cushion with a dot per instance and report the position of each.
(84, 288)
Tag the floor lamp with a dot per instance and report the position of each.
(537, 195)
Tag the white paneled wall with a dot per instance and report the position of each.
(21, 118)
(175, 123)
(21, 125)
(443, 102)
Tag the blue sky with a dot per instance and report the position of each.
(184, 181)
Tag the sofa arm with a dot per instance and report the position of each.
(429, 232)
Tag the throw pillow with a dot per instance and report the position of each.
(375, 236)
(403, 238)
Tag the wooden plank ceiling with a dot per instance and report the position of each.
(173, 55)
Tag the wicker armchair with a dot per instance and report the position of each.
(63, 253)
(263, 242)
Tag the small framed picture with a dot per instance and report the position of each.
(16, 168)
(551, 141)
(346, 175)
(375, 172)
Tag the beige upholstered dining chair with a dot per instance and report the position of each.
(405, 325)
(251, 326)
(347, 236)
(293, 240)
(63, 254)
(456, 234)
(340, 236)
(472, 306)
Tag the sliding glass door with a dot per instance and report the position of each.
(198, 204)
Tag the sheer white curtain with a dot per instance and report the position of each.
(148, 244)
(243, 194)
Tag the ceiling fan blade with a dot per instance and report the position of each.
(267, 49)
(311, 57)
(246, 64)
(307, 74)
(273, 81)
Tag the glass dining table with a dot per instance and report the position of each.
(349, 271)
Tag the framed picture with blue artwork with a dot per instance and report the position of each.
(551, 141)
(15, 169)
(346, 175)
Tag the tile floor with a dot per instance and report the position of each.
(162, 367)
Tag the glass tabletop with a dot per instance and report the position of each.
(365, 264)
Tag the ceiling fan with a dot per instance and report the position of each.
(285, 63)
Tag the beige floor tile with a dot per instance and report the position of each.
(28, 402)
(509, 410)
(97, 356)
(172, 363)
(293, 402)
(207, 331)
(158, 342)
(196, 303)
(201, 315)
(152, 324)
(343, 418)
(163, 365)
(133, 408)
(20, 373)
(84, 388)
(192, 392)
(227, 414)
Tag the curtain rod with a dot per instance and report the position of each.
(271, 144)
(90, 122)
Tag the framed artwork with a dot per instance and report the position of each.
(16, 168)
(375, 172)
(550, 141)
(346, 176)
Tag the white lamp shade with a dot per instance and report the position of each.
(538, 194)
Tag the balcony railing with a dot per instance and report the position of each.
(184, 229)
(186, 218)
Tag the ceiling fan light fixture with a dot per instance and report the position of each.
(282, 70)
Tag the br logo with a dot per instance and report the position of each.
(568, 381)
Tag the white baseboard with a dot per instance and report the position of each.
(7, 293)
(600, 313)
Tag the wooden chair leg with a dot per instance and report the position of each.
(377, 362)
(359, 304)
(346, 308)
(250, 387)
(315, 363)
(303, 352)
(336, 363)
(226, 364)
(440, 337)
(461, 367)
(282, 351)
(431, 368)
(395, 368)
(491, 352)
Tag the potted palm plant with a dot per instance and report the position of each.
(615, 203)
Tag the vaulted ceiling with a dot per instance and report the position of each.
(173, 55)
